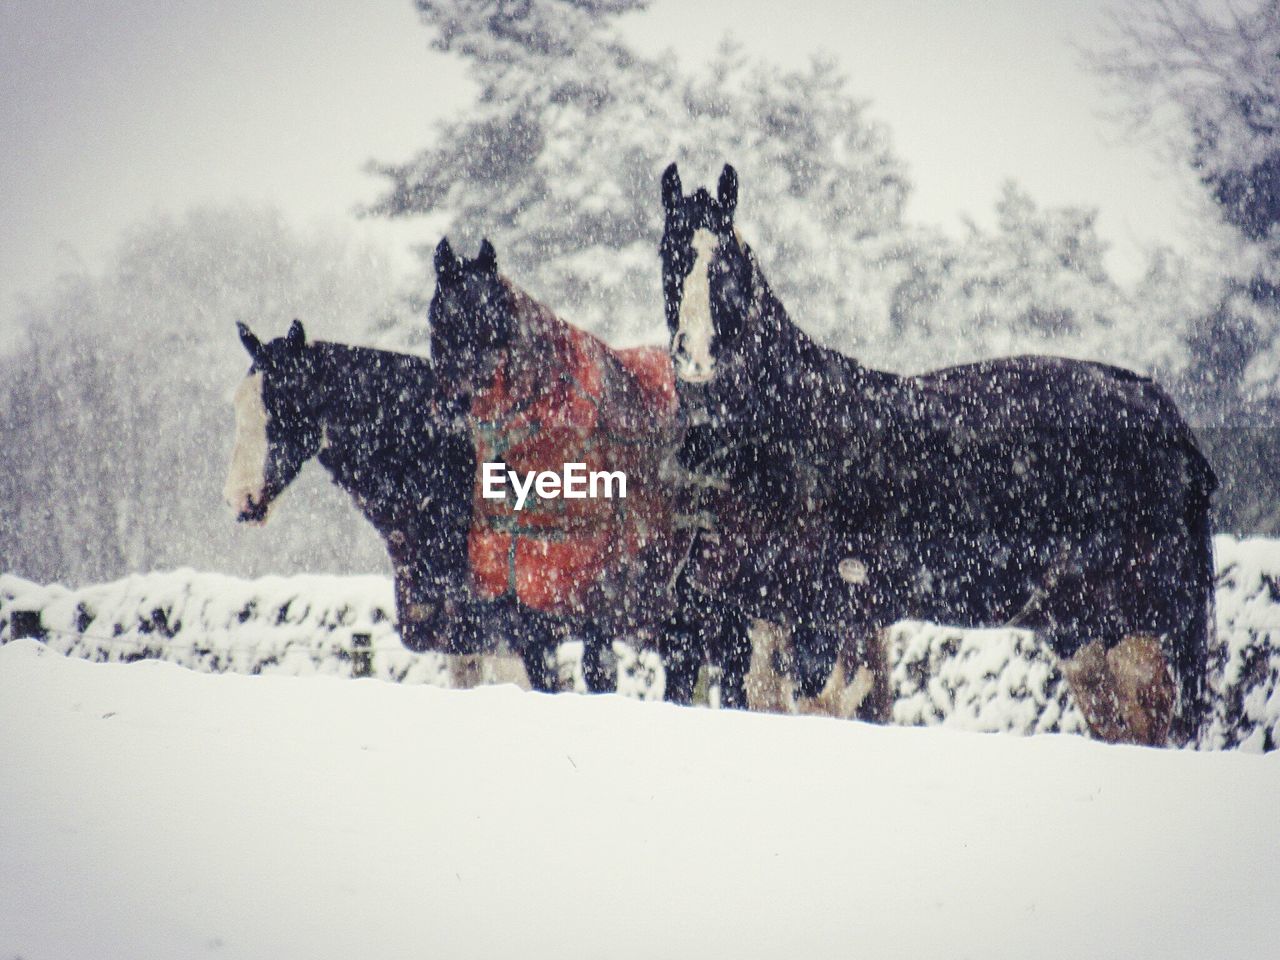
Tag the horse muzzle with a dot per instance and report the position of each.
(250, 509)
(693, 363)
(694, 371)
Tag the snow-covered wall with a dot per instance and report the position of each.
(984, 680)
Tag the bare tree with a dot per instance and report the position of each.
(1209, 81)
(1205, 80)
(115, 420)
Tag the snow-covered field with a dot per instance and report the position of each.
(150, 811)
(986, 680)
(247, 799)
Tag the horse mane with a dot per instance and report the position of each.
(367, 397)
(538, 328)
(545, 345)
(633, 388)
(824, 376)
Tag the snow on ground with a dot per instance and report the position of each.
(152, 811)
(985, 680)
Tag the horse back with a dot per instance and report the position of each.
(1064, 441)
(1047, 393)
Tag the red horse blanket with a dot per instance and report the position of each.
(563, 396)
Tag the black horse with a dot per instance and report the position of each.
(1062, 496)
(541, 392)
(379, 424)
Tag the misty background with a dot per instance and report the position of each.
(925, 183)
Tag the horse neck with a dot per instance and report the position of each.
(344, 446)
(366, 447)
(802, 383)
(538, 347)
(328, 363)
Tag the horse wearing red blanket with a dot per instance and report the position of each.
(542, 394)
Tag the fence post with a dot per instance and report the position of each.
(25, 624)
(361, 655)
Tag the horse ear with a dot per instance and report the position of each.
(296, 338)
(488, 258)
(251, 343)
(446, 261)
(671, 190)
(727, 190)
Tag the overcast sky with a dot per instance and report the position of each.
(112, 109)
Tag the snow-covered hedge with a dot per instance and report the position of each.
(213, 623)
(986, 680)
(1246, 672)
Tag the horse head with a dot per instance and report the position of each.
(472, 320)
(707, 276)
(277, 424)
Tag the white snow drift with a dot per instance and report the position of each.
(151, 811)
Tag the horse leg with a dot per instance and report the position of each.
(872, 651)
(1126, 693)
(1093, 687)
(535, 638)
(770, 687)
(842, 696)
(1144, 687)
(858, 687)
(505, 668)
(463, 670)
(543, 677)
(682, 649)
(467, 671)
(732, 653)
(598, 670)
(820, 672)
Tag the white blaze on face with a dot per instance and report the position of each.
(246, 480)
(691, 346)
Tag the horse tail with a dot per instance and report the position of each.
(1193, 628)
